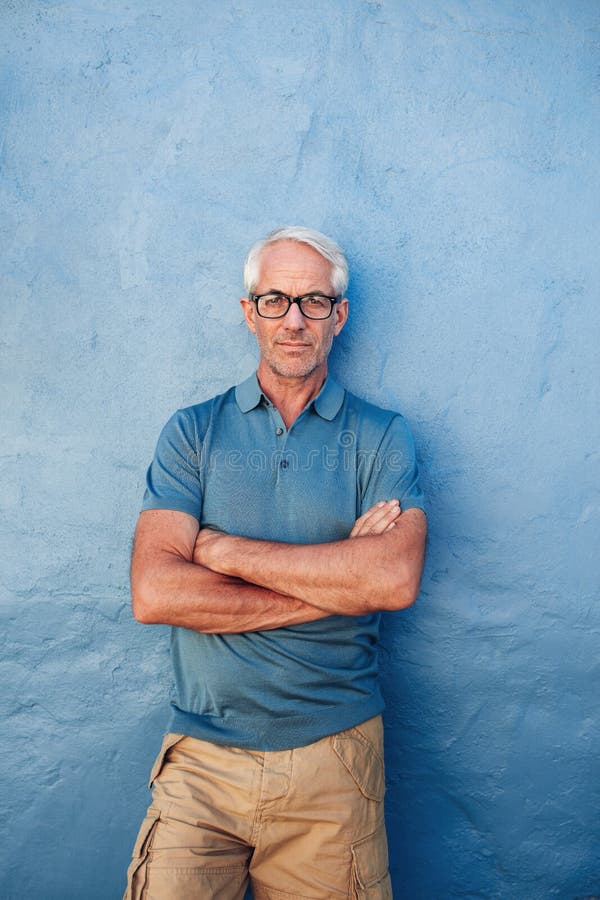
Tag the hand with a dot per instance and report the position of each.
(377, 520)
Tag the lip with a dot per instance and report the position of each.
(295, 345)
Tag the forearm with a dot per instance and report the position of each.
(330, 577)
(177, 592)
(350, 577)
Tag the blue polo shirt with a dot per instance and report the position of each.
(232, 464)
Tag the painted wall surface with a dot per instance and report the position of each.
(452, 148)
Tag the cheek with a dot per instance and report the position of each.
(263, 334)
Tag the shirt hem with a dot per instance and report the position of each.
(274, 732)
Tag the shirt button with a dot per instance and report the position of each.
(279, 430)
(284, 463)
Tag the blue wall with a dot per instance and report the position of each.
(452, 148)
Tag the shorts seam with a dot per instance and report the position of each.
(220, 870)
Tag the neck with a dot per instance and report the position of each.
(290, 395)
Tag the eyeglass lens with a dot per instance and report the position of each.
(313, 306)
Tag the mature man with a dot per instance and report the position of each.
(279, 519)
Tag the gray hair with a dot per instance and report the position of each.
(328, 249)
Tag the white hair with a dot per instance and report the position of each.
(328, 249)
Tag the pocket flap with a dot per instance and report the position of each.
(371, 860)
(363, 763)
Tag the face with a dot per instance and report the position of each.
(294, 346)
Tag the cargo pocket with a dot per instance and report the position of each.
(169, 741)
(136, 874)
(370, 875)
(362, 761)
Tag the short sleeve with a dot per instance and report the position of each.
(173, 481)
(393, 470)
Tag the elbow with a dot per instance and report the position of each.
(143, 603)
(402, 591)
(142, 614)
(408, 595)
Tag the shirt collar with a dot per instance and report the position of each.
(329, 399)
(248, 393)
(327, 403)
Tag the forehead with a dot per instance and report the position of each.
(288, 262)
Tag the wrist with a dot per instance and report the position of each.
(224, 554)
(210, 550)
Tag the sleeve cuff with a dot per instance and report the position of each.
(178, 505)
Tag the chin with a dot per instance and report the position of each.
(292, 371)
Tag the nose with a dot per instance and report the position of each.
(294, 319)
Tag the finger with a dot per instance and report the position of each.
(381, 510)
(377, 519)
(372, 511)
(386, 513)
(382, 524)
(362, 520)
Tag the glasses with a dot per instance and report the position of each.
(276, 305)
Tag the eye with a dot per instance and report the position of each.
(273, 305)
(315, 301)
(273, 301)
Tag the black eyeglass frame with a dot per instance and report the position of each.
(333, 300)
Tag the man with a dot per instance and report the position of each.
(279, 519)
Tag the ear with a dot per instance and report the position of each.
(249, 311)
(340, 311)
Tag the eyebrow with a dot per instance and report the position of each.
(317, 291)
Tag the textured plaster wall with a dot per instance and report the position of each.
(452, 148)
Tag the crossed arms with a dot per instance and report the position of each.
(219, 583)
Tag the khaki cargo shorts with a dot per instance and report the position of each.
(298, 824)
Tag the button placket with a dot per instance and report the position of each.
(279, 461)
